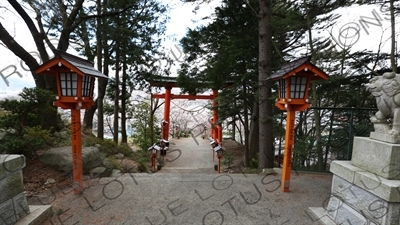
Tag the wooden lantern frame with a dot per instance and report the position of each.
(294, 82)
(77, 93)
(154, 150)
(70, 66)
(288, 90)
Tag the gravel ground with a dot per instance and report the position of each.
(188, 191)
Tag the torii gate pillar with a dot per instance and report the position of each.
(216, 130)
(167, 107)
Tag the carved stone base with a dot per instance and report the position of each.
(360, 197)
(378, 157)
(395, 139)
(365, 190)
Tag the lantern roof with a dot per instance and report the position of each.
(154, 146)
(299, 65)
(218, 148)
(73, 63)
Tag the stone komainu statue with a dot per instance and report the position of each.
(386, 89)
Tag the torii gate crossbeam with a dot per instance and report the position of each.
(190, 97)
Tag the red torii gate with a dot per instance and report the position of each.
(168, 83)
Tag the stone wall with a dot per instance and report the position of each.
(13, 202)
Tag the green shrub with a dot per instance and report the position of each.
(125, 150)
(28, 111)
(141, 162)
(62, 138)
(142, 124)
(253, 163)
(142, 140)
(107, 146)
(227, 160)
(89, 141)
(31, 140)
(22, 122)
(116, 164)
(248, 170)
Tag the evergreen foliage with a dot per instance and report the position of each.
(225, 50)
(21, 122)
(142, 135)
(127, 36)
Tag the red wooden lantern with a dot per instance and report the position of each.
(294, 81)
(75, 83)
(75, 79)
(154, 149)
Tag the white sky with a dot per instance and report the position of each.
(182, 17)
(362, 27)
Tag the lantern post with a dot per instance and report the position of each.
(154, 148)
(75, 84)
(164, 148)
(293, 83)
(216, 148)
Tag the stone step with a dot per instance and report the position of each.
(186, 168)
(38, 215)
(189, 170)
(318, 215)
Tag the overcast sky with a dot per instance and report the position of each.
(181, 15)
(351, 28)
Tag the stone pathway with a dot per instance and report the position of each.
(189, 191)
(189, 155)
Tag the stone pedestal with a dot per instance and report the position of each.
(13, 203)
(367, 189)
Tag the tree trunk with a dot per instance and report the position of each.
(233, 128)
(101, 91)
(266, 151)
(123, 102)
(88, 119)
(314, 100)
(69, 25)
(393, 40)
(21, 53)
(239, 128)
(246, 126)
(254, 142)
(102, 83)
(116, 90)
(89, 113)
